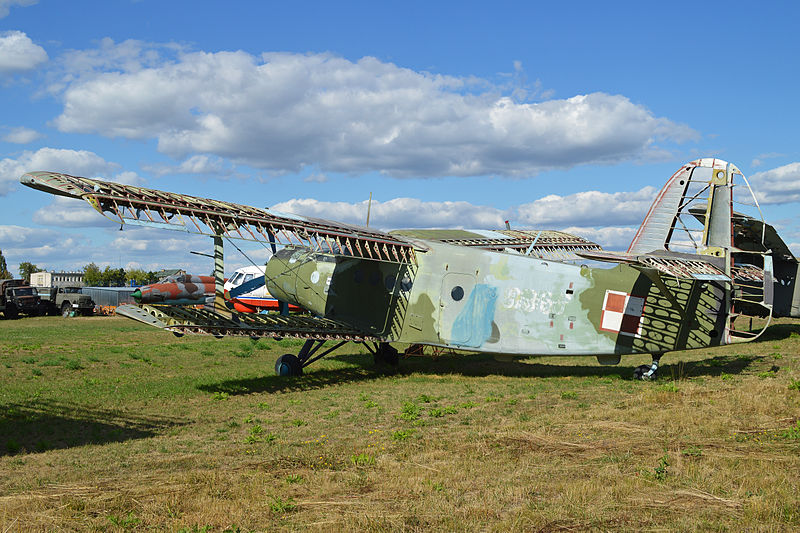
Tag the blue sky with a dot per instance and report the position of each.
(453, 114)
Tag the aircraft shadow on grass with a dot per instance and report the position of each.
(364, 369)
(778, 332)
(38, 426)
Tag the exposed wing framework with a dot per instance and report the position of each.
(148, 207)
(544, 244)
(182, 320)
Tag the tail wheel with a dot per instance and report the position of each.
(288, 365)
(643, 373)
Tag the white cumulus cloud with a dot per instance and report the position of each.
(610, 237)
(18, 53)
(71, 212)
(200, 164)
(76, 162)
(284, 112)
(21, 135)
(779, 185)
(589, 208)
(5, 5)
(623, 211)
(43, 247)
(398, 213)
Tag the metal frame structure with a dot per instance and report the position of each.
(148, 207)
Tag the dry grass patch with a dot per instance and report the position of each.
(147, 432)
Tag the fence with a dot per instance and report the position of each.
(106, 299)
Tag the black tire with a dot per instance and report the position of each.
(66, 309)
(11, 312)
(640, 371)
(387, 355)
(288, 365)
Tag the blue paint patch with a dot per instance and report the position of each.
(473, 325)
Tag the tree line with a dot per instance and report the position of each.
(116, 277)
(93, 276)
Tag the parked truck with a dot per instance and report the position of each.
(69, 301)
(17, 297)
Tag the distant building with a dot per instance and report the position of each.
(57, 279)
(161, 274)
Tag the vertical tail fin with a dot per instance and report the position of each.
(671, 222)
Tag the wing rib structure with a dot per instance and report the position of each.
(149, 207)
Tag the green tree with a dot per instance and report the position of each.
(113, 277)
(138, 276)
(92, 276)
(26, 269)
(4, 273)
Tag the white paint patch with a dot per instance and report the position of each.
(622, 313)
(315, 277)
(531, 301)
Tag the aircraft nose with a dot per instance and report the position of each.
(137, 295)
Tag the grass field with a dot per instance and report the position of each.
(109, 425)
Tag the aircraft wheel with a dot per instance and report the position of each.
(66, 309)
(639, 373)
(288, 365)
(386, 354)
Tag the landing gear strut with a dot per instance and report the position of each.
(384, 353)
(647, 372)
(292, 365)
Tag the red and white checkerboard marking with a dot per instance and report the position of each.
(622, 313)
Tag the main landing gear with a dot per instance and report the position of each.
(384, 353)
(293, 365)
(647, 372)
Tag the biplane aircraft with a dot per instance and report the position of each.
(696, 264)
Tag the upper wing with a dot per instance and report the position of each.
(149, 207)
(545, 244)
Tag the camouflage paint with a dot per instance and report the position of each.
(180, 290)
(505, 291)
(499, 302)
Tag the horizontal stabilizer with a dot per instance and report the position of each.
(680, 268)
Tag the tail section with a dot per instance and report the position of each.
(708, 209)
(669, 225)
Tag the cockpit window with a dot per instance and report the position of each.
(235, 279)
(247, 278)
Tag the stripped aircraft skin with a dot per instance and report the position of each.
(694, 266)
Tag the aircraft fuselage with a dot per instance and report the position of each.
(504, 303)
